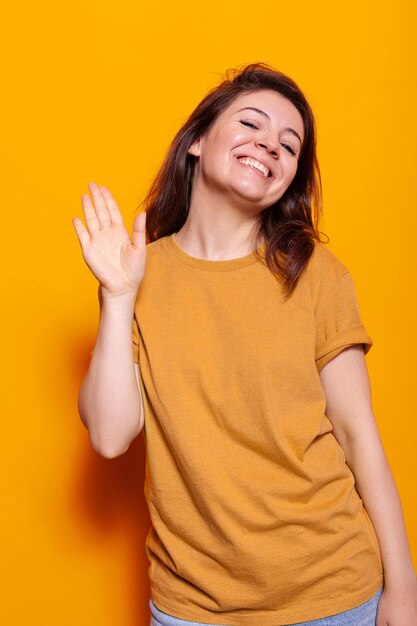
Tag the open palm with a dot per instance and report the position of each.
(116, 261)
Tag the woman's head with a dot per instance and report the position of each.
(249, 153)
(285, 221)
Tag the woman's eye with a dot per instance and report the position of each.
(245, 123)
(287, 147)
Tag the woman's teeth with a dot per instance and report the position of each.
(256, 164)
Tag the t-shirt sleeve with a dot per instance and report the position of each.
(338, 321)
(135, 340)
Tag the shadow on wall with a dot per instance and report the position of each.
(108, 498)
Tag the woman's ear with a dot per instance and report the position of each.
(195, 148)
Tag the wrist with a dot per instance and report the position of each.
(120, 296)
(120, 301)
(407, 579)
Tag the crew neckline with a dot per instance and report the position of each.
(206, 264)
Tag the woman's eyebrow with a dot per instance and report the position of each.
(290, 130)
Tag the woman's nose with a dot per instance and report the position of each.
(269, 145)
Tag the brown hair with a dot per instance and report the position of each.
(290, 226)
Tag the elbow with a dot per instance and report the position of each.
(110, 448)
(111, 454)
(109, 451)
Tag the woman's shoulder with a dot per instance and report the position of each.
(157, 246)
(325, 264)
(324, 269)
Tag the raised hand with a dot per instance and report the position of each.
(117, 262)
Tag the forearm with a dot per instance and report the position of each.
(110, 402)
(376, 486)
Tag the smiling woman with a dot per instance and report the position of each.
(248, 379)
(258, 114)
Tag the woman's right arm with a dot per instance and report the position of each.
(110, 401)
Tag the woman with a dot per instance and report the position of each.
(270, 495)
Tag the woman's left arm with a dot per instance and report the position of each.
(346, 385)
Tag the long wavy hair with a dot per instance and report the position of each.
(289, 228)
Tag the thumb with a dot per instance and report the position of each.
(139, 230)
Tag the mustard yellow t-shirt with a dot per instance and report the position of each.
(255, 517)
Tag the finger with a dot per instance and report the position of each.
(91, 218)
(100, 205)
(115, 214)
(82, 233)
(139, 230)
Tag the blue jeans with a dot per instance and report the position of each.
(362, 615)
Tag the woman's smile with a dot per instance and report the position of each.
(256, 166)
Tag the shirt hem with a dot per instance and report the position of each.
(281, 617)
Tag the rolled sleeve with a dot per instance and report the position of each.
(338, 321)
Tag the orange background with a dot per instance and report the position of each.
(94, 91)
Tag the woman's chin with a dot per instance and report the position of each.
(253, 196)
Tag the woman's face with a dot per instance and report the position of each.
(251, 152)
